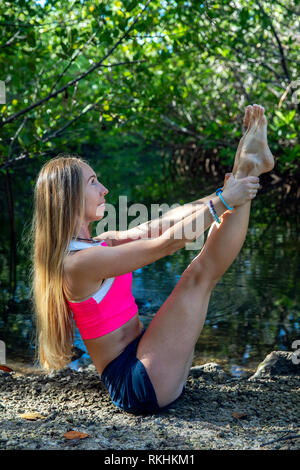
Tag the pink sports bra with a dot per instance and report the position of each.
(107, 309)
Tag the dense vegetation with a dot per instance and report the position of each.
(176, 73)
(151, 92)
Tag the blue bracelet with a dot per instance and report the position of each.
(219, 193)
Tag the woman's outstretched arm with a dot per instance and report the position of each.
(155, 227)
(181, 216)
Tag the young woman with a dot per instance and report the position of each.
(89, 279)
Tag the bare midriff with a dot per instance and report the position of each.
(106, 348)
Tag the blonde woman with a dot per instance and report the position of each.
(89, 279)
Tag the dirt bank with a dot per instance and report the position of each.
(216, 411)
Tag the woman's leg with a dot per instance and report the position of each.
(168, 343)
(167, 346)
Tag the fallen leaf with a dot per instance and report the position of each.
(75, 435)
(6, 369)
(238, 415)
(32, 416)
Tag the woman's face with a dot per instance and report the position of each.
(94, 195)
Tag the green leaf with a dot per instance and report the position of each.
(31, 39)
(62, 56)
(131, 5)
(65, 48)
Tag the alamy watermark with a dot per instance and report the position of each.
(159, 222)
(296, 85)
(2, 92)
(296, 354)
(2, 352)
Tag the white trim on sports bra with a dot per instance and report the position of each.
(76, 245)
(79, 245)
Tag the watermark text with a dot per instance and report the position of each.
(178, 222)
(2, 352)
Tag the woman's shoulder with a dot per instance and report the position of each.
(77, 287)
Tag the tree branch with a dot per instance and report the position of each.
(285, 438)
(283, 61)
(10, 40)
(62, 129)
(23, 156)
(72, 82)
(16, 135)
(72, 60)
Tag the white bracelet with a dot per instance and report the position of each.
(212, 213)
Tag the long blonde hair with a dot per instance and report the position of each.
(59, 198)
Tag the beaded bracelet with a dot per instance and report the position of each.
(219, 193)
(212, 211)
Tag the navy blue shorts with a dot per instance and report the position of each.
(128, 383)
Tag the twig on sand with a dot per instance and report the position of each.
(284, 438)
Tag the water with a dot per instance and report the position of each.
(253, 310)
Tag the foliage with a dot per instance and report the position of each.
(176, 73)
(154, 86)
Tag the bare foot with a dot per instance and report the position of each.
(246, 127)
(255, 156)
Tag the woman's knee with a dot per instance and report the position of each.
(167, 397)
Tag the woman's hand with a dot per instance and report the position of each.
(238, 191)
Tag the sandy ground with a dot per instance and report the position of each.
(216, 411)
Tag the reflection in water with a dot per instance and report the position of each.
(253, 310)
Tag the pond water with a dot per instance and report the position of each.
(254, 309)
